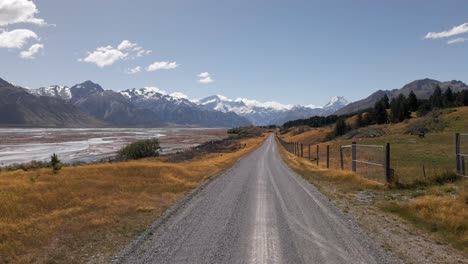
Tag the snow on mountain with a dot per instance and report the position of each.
(265, 113)
(53, 91)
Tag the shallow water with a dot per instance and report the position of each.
(73, 145)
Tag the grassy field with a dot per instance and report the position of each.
(85, 213)
(428, 194)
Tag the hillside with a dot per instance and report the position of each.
(21, 109)
(422, 88)
(427, 193)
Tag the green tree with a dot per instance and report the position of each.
(340, 127)
(144, 148)
(359, 122)
(399, 109)
(412, 102)
(449, 98)
(379, 114)
(437, 100)
(385, 101)
(55, 163)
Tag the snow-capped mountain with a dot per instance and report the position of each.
(151, 106)
(53, 91)
(178, 109)
(266, 113)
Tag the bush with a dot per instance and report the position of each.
(55, 163)
(145, 148)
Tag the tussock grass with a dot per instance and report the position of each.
(85, 210)
(445, 214)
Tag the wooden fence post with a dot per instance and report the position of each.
(328, 156)
(387, 170)
(309, 150)
(457, 151)
(341, 158)
(353, 156)
(302, 150)
(462, 165)
(318, 154)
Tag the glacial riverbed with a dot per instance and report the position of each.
(72, 145)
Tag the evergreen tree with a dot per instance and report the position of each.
(55, 163)
(461, 98)
(340, 127)
(385, 101)
(437, 100)
(359, 121)
(412, 102)
(379, 114)
(399, 109)
(448, 97)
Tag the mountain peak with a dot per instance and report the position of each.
(336, 102)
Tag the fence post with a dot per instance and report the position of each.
(457, 151)
(318, 154)
(462, 165)
(309, 150)
(328, 156)
(353, 156)
(341, 158)
(387, 171)
(302, 150)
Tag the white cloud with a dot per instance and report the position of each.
(16, 39)
(162, 65)
(108, 55)
(205, 78)
(104, 56)
(19, 11)
(137, 69)
(457, 40)
(125, 45)
(204, 75)
(461, 29)
(32, 51)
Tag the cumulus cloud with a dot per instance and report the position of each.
(32, 51)
(461, 29)
(108, 55)
(205, 78)
(162, 65)
(204, 75)
(19, 11)
(104, 56)
(457, 40)
(16, 39)
(137, 69)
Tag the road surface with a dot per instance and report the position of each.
(259, 211)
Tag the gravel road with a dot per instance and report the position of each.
(259, 211)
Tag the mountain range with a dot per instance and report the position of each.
(422, 88)
(147, 107)
(266, 113)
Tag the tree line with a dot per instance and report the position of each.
(388, 111)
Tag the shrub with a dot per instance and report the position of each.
(55, 163)
(144, 148)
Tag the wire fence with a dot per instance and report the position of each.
(461, 152)
(370, 161)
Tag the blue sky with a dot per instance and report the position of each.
(294, 52)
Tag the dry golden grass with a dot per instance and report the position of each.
(82, 211)
(311, 136)
(444, 211)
